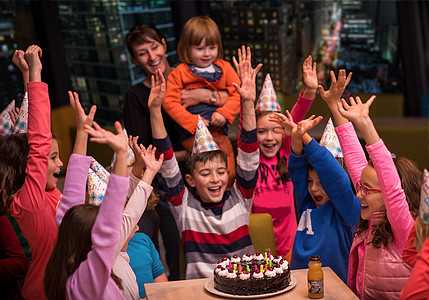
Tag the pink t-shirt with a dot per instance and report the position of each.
(276, 197)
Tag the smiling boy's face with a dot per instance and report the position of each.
(210, 179)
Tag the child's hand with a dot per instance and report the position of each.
(32, 57)
(306, 125)
(81, 118)
(356, 111)
(118, 142)
(309, 74)
(13, 114)
(137, 150)
(286, 122)
(157, 91)
(152, 164)
(217, 120)
(333, 95)
(19, 61)
(247, 75)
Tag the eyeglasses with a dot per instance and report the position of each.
(364, 189)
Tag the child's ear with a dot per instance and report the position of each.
(164, 43)
(190, 180)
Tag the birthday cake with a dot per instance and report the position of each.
(251, 275)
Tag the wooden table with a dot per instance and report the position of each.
(194, 289)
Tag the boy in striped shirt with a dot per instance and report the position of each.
(212, 220)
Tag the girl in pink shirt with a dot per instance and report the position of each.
(29, 168)
(274, 190)
(389, 201)
(80, 266)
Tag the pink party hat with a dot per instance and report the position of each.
(98, 177)
(330, 140)
(424, 199)
(130, 157)
(22, 120)
(268, 98)
(5, 120)
(203, 141)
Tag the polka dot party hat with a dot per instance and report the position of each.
(22, 120)
(6, 121)
(268, 99)
(98, 177)
(203, 141)
(330, 140)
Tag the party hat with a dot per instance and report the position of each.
(268, 98)
(330, 140)
(5, 120)
(203, 141)
(130, 157)
(98, 177)
(424, 199)
(22, 120)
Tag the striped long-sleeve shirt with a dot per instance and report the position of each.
(206, 235)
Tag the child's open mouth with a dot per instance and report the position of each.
(318, 198)
(269, 147)
(214, 189)
(363, 206)
(57, 175)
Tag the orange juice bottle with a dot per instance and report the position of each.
(315, 278)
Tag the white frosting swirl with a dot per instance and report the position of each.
(277, 259)
(284, 265)
(235, 260)
(258, 257)
(258, 275)
(246, 258)
(270, 273)
(278, 270)
(218, 269)
(244, 276)
(223, 272)
(231, 274)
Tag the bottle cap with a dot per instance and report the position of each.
(314, 258)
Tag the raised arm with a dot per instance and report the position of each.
(19, 61)
(193, 97)
(32, 194)
(77, 170)
(390, 183)
(248, 150)
(333, 95)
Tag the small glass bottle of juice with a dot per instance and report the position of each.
(315, 278)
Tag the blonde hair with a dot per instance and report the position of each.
(194, 31)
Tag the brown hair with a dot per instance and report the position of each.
(194, 31)
(139, 35)
(281, 162)
(152, 202)
(13, 152)
(204, 157)
(71, 249)
(411, 182)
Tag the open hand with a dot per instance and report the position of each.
(157, 91)
(152, 164)
(356, 111)
(118, 141)
(82, 119)
(286, 122)
(13, 114)
(336, 90)
(247, 75)
(306, 125)
(309, 74)
(19, 61)
(137, 150)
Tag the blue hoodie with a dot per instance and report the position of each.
(327, 230)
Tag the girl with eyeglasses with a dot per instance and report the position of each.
(388, 189)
